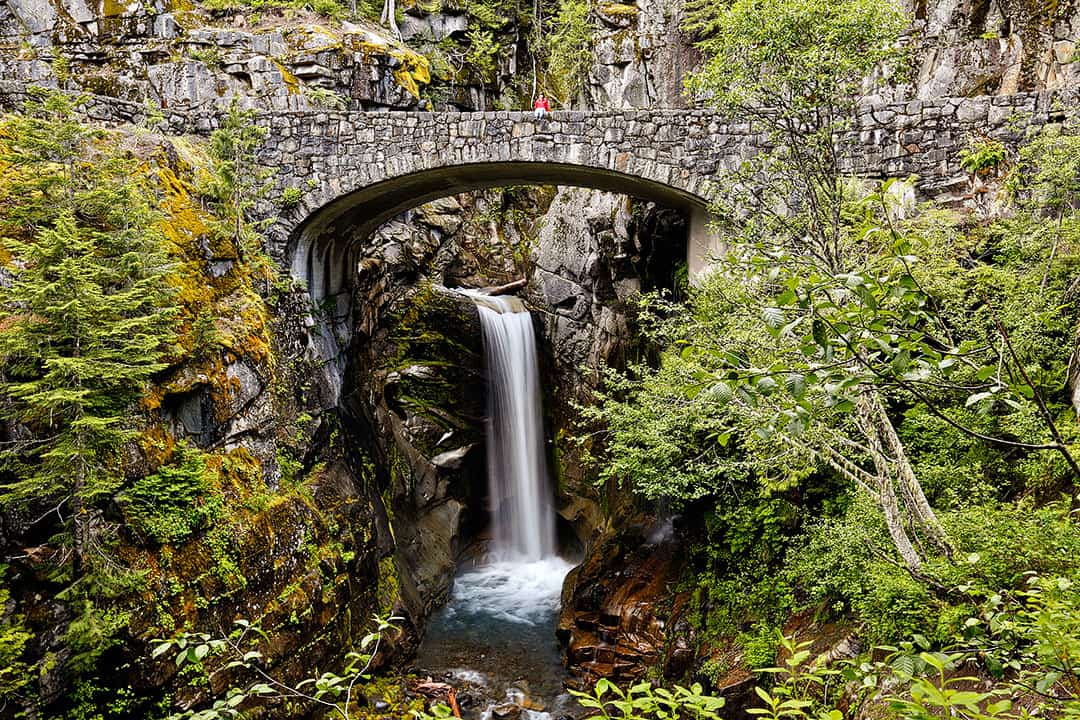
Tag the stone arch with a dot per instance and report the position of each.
(320, 252)
(357, 170)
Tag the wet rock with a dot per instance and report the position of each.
(416, 390)
(617, 608)
(506, 711)
(443, 214)
(531, 704)
(436, 27)
(451, 459)
(434, 690)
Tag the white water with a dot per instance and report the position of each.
(496, 635)
(523, 521)
(522, 593)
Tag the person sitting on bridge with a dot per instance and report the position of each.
(541, 107)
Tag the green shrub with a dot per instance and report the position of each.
(759, 646)
(290, 197)
(332, 9)
(982, 155)
(14, 637)
(320, 97)
(840, 565)
(176, 501)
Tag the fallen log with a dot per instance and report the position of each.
(505, 289)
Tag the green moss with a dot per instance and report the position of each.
(432, 360)
(387, 592)
(420, 331)
(412, 71)
(174, 502)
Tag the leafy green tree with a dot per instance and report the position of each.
(86, 315)
(570, 49)
(796, 366)
(483, 54)
(1047, 180)
(836, 282)
(796, 69)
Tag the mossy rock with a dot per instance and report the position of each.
(619, 10)
(618, 14)
(436, 371)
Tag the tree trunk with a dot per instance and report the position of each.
(890, 508)
(914, 498)
(389, 17)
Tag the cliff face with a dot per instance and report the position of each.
(176, 57)
(183, 56)
(992, 47)
(342, 501)
(242, 498)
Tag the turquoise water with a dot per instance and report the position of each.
(495, 639)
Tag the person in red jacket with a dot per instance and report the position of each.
(541, 107)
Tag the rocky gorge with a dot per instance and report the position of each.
(345, 438)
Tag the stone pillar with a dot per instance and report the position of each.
(702, 245)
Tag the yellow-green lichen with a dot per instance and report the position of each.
(292, 83)
(618, 10)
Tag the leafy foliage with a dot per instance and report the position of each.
(482, 54)
(14, 637)
(239, 653)
(643, 702)
(791, 56)
(849, 348)
(982, 155)
(570, 48)
(333, 9)
(235, 182)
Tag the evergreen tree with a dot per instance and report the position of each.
(85, 313)
(235, 182)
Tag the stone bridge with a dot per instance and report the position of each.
(355, 170)
(358, 170)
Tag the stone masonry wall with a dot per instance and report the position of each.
(333, 154)
(330, 155)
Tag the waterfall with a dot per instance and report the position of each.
(523, 519)
(499, 624)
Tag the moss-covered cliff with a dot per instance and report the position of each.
(237, 495)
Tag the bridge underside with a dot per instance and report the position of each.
(322, 249)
